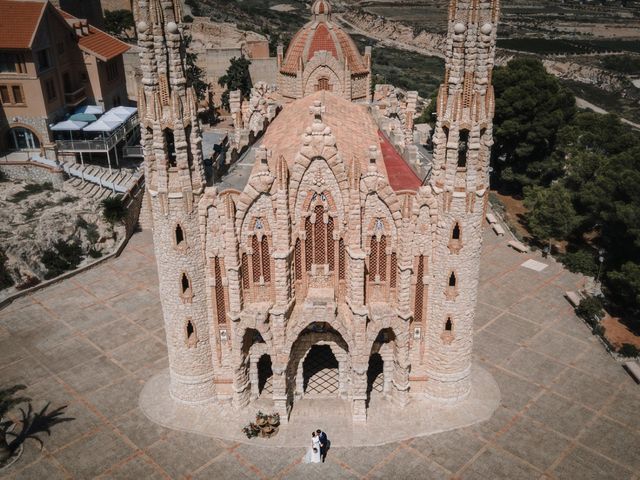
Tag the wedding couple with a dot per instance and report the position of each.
(319, 446)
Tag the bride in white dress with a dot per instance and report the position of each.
(313, 455)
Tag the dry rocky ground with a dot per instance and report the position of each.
(34, 218)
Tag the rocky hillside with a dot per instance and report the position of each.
(394, 33)
(45, 231)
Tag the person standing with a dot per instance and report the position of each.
(323, 444)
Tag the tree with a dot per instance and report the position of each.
(236, 78)
(195, 75)
(118, 22)
(551, 213)
(531, 106)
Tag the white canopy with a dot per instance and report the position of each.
(69, 125)
(103, 125)
(92, 109)
(123, 113)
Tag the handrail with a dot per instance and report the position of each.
(100, 144)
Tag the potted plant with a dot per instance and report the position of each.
(274, 419)
(261, 419)
(13, 434)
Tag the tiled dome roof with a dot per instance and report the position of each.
(322, 34)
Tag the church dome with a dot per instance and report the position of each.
(323, 34)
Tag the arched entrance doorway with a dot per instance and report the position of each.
(21, 138)
(320, 372)
(319, 365)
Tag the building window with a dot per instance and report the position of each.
(323, 84)
(455, 233)
(12, 63)
(190, 331)
(463, 148)
(448, 326)
(50, 90)
(112, 70)
(179, 236)
(452, 279)
(4, 95)
(43, 60)
(12, 95)
(170, 145)
(186, 293)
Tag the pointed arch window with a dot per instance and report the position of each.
(319, 243)
(179, 237)
(452, 279)
(455, 242)
(191, 338)
(186, 292)
(170, 147)
(418, 313)
(448, 325)
(463, 148)
(447, 336)
(219, 292)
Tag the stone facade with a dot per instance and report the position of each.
(323, 245)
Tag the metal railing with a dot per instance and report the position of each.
(73, 98)
(135, 151)
(103, 144)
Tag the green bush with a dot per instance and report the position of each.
(113, 209)
(61, 258)
(629, 350)
(188, 19)
(580, 261)
(591, 310)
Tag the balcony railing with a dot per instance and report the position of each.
(75, 98)
(103, 144)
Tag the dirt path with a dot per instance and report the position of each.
(582, 103)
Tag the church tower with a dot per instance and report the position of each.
(460, 181)
(175, 178)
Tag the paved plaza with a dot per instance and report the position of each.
(567, 410)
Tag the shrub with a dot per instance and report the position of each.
(61, 258)
(188, 19)
(591, 310)
(629, 350)
(580, 261)
(113, 209)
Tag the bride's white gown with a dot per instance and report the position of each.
(311, 456)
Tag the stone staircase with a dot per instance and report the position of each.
(100, 183)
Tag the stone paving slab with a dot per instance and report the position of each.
(93, 349)
(386, 422)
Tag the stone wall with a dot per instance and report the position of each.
(33, 172)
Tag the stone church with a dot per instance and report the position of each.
(326, 266)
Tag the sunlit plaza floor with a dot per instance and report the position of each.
(567, 409)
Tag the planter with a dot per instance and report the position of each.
(261, 422)
(274, 420)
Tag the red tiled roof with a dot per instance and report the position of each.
(97, 42)
(322, 40)
(399, 173)
(314, 37)
(19, 22)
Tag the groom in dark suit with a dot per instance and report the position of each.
(323, 444)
